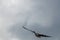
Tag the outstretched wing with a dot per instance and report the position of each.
(42, 35)
(28, 29)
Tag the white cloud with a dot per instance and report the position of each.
(9, 14)
(15, 39)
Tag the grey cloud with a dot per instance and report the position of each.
(43, 18)
(42, 11)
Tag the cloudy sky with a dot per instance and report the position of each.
(42, 16)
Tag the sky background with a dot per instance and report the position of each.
(42, 16)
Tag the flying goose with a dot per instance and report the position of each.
(36, 34)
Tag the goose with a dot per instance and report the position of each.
(36, 34)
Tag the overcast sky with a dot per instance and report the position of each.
(42, 16)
